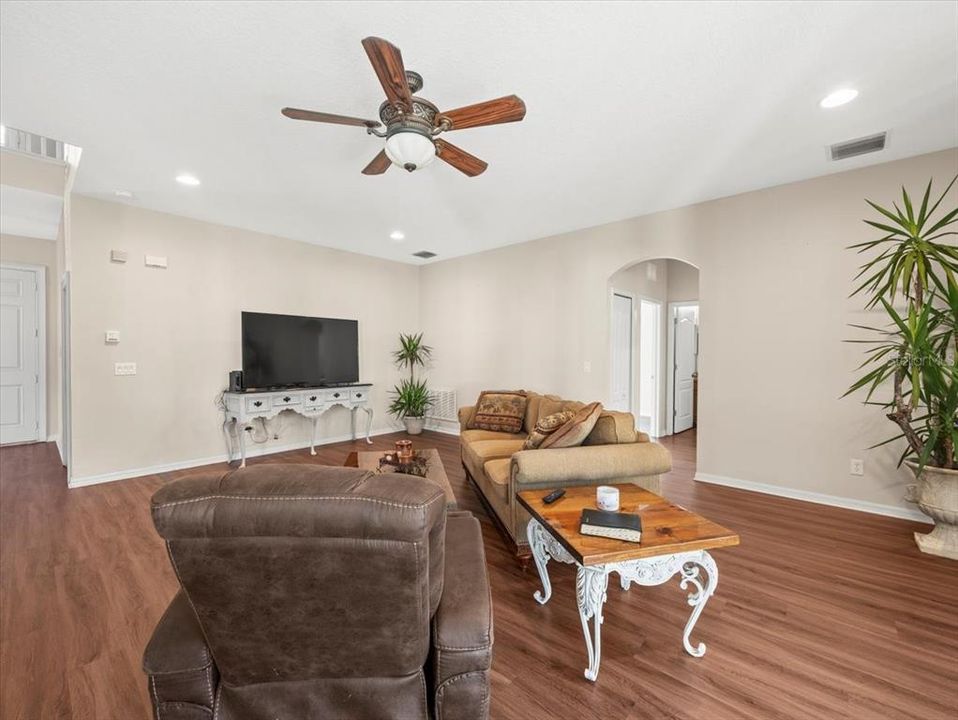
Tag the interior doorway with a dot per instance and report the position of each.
(683, 365)
(23, 405)
(649, 361)
(645, 300)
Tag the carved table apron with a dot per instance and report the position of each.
(592, 581)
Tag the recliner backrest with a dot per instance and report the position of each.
(303, 572)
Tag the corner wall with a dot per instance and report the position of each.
(774, 276)
(181, 325)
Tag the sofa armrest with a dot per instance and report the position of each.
(182, 675)
(588, 464)
(466, 413)
(462, 626)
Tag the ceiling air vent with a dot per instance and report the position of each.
(31, 143)
(424, 254)
(861, 146)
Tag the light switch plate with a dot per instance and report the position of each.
(111, 337)
(856, 466)
(155, 261)
(118, 256)
(124, 368)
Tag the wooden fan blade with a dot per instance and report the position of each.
(297, 114)
(492, 112)
(387, 62)
(379, 164)
(460, 159)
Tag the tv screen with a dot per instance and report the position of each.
(288, 350)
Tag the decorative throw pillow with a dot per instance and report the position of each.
(545, 427)
(576, 430)
(499, 411)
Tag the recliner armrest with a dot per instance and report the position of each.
(462, 626)
(182, 674)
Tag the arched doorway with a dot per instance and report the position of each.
(654, 344)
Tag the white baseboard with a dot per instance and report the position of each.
(814, 497)
(437, 427)
(251, 452)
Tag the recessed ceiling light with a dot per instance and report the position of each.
(839, 97)
(187, 179)
(397, 235)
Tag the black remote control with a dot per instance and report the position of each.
(553, 496)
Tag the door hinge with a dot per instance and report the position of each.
(36, 379)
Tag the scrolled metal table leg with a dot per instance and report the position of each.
(699, 595)
(591, 586)
(535, 532)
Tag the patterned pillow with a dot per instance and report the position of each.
(576, 430)
(545, 427)
(499, 411)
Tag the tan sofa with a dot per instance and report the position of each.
(614, 452)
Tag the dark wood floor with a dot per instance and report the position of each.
(820, 613)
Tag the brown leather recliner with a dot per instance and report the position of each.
(312, 592)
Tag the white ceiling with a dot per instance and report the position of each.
(29, 213)
(632, 107)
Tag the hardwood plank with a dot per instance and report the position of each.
(819, 613)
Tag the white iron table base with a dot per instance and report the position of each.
(592, 582)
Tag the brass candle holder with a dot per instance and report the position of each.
(404, 450)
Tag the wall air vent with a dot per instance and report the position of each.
(31, 143)
(861, 146)
(424, 254)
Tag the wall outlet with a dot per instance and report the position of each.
(111, 337)
(856, 466)
(124, 368)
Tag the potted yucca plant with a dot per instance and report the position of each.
(411, 397)
(912, 361)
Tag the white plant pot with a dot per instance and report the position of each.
(936, 493)
(414, 425)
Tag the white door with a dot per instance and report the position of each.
(685, 355)
(621, 392)
(19, 355)
(649, 366)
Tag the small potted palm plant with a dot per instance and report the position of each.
(912, 361)
(411, 397)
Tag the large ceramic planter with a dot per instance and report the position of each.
(414, 425)
(936, 492)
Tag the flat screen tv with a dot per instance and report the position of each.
(289, 350)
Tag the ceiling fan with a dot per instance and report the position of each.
(412, 123)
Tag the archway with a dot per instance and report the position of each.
(654, 344)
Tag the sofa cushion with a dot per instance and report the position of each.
(476, 454)
(532, 411)
(471, 436)
(500, 411)
(552, 404)
(575, 431)
(545, 427)
(613, 428)
(497, 471)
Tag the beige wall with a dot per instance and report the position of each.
(32, 173)
(181, 326)
(774, 280)
(683, 282)
(34, 251)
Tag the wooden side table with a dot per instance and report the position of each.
(674, 541)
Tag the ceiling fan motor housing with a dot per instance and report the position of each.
(420, 120)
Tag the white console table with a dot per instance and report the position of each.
(241, 408)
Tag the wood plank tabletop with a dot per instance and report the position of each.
(667, 528)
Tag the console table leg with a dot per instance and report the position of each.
(241, 439)
(227, 430)
(699, 596)
(312, 436)
(534, 533)
(591, 585)
(369, 423)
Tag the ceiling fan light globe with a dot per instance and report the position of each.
(410, 150)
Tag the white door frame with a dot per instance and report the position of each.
(66, 432)
(657, 427)
(633, 390)
(41, 274)
(670, 363)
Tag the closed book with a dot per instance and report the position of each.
(615, 525)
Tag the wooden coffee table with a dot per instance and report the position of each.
(674, 541)
(435, 472)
